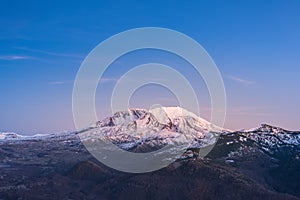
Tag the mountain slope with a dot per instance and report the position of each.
(261, 163)
(270, 155)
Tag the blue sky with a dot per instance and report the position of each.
(255, 44)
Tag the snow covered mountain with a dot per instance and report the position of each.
(140, 130)
(157, 127)
(267, 140)
(9, 135)
(272, 136)
(154, 128)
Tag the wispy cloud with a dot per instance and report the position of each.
(103, 80)
(15, 57)
(49, 52)
(58, 82)
(106, 80)
(240, 80)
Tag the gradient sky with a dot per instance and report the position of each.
(255, 44)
